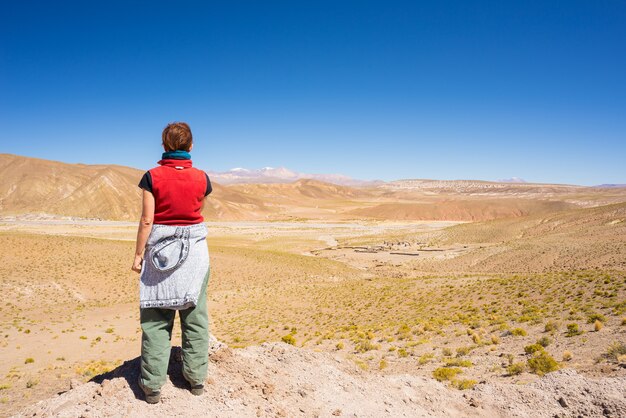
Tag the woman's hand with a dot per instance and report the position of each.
(137, 264)
(143, 231)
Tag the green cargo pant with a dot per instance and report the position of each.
(156, 326)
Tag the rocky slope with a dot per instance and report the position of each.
(276, 379)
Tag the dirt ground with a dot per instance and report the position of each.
(352, 289)
(276, 380)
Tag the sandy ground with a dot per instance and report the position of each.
(332, 287)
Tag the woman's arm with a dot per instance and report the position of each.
(143, 231)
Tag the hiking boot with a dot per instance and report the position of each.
(152, 396)
(197, 389)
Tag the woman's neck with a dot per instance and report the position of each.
(176, 155)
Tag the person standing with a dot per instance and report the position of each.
(172, 258)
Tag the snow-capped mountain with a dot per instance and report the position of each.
(512, 180)
(278, 175)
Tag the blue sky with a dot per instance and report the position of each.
(374, 90)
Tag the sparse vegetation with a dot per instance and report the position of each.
(457, 362)
(551, 326)
(572, 330)
(544, 341)
(515, 369)
(542, 363)
(446, 373)
(463, 384)
(533, 348)
(391, 316)
(615, 350)
(519, 332)
(289, 339)
(94, 368)
(425, 358)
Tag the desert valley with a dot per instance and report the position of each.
(474, 287)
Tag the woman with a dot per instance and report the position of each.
(173, 258)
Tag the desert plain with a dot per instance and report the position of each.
(464, 282)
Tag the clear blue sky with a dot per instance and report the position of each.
(385, 90)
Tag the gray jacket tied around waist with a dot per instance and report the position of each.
(176, 261)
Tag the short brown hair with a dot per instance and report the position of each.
(177, 136)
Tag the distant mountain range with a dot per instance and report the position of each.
(512, 180)
(36, 187)
(281, 175)
(610, 186)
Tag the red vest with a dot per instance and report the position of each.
(178, 190)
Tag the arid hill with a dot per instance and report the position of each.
(581, 238)
(470, 209)
(110, 192)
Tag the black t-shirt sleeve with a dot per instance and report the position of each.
(146, 182)
(209, 188)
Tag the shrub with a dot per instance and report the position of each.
(533, 348)
(402, 352)
(519, 332)
(567, 356)
(542, 363)
(339, 345)
(572, 330)
(289, 339)
(446, 373)
(463, 351)
(365, 345)
(515, 369)
(595, 317)
(383, 364)
(597, 326)
(615, 350)
(544, 341)
(446, 351)
(510, 357)
(495, 339)
(29, 360)
(425, 358)
(463, 384)
(551, 326)
(457, 362)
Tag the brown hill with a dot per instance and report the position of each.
(461, 210)
(32, 185)
(481, 186)
(302, 190)
(584, 238)
(35, 186)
